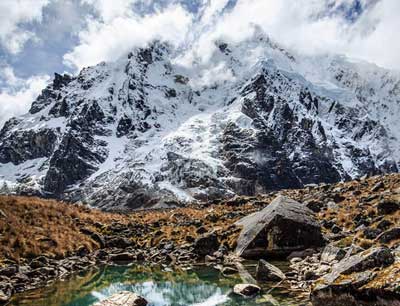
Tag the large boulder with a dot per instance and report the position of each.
(123, 298)
(280, 228)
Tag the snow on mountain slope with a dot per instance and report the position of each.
(150, 131)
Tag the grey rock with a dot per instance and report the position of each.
(9, 270)
(119, 242)
(229, 271)
(282, 227)
(389, 235)
(369, 259)
(123, 298)
(331, 253)
(121, 257)
(206, 244)
(377, 186)
(246, 290)
(302, 254)
(39, 262)
(386, 207)
(6, 290)
(268, 272)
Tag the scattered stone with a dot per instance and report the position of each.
(301, 254)
(9, 271)
(201, 230)
(310, 275)
(364, 288)
(371, 233)
(123, 298)
(384, 224)
(229, 271)
(377, 186)
(336, 229)
(39, 262)
(209, 258)
(369, 259)
(331, 253)
(386, 207)
(99, 239)
(82, 251)
(119, 242)
(206, 244)
(246, 277)
(314, 205)
(246, 290)
(2, 214)
(268, 272)
(6, 290)
(389, 235)
(123, 257)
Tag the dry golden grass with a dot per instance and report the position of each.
(31, 227)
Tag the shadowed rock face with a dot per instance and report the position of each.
(21, 146)
(280, 228)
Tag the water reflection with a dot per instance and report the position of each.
(201, 286)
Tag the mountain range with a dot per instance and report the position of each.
(158, 128)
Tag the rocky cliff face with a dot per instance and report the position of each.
(150, 131)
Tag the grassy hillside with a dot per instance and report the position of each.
(30, 227)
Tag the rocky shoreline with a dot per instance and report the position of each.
(353, 259)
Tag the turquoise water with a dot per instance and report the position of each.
(201, 286)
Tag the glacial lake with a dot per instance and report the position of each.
(200, 286)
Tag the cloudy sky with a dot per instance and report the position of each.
(40, 37)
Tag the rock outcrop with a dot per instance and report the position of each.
(280, 228)
(367, 278)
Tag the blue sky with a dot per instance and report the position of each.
(40, 37)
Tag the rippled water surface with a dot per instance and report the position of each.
(201, 286)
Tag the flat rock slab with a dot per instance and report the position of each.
(123, 298)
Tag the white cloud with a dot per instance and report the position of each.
(108, 10)
(377, 35)
(313, 27)
(13, 13)
(16, 94)
(305, 26)
(108, 40)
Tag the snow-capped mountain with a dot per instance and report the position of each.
(151, 130)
